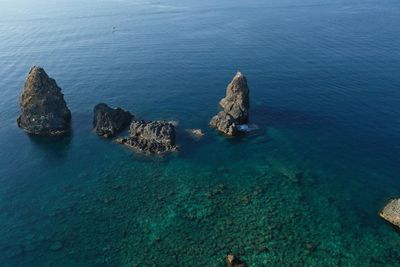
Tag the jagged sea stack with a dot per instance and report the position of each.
(109, 121)
(43, 108)
(235, 106)
(153, 137)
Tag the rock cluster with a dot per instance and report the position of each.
(108, 121)
(44, 112)
(151, 137)
(391, 212)
(235, 106)
(42, 104)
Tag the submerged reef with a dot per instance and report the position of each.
(42, 104)
(151, 137)
(108, 121)
(391, 212)
(235, 106)
(179, 212)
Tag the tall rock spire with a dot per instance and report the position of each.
(235, 106)
(42, 104)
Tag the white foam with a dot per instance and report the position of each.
(247, 127)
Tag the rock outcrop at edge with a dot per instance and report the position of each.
(391, 212)
(235, 105)
(151, 137)
(42, 104)
(109, 121)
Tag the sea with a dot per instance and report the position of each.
(303, 188)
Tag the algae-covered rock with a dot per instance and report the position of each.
(42, 104)
(391, 212)
(235, 105)
(108, 121)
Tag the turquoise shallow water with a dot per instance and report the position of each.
(304, 190)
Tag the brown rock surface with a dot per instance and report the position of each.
(235, 106)
(42, 104)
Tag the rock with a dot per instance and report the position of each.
(120, 140)
(109, 121)
(174, 123)
(245, 200)
(391, 212)
(230, 260)
(235, 106)
(234, 261)
(151, 137)
(237, 102)
(217, 190)
(56, 246)
(42, 104)
(198, 133)
(225, 123)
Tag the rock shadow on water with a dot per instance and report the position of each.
(139, 156)
(243, 136)
(54, 146)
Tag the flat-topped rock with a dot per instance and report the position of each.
(391, 212)
(235, 105)
(42, 104)
(151, 137)
(109, 121)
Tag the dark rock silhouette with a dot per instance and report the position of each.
(42, 104)
(235, 106)
(151, 137)
(109, 121)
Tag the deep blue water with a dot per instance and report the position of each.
(324, 78)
